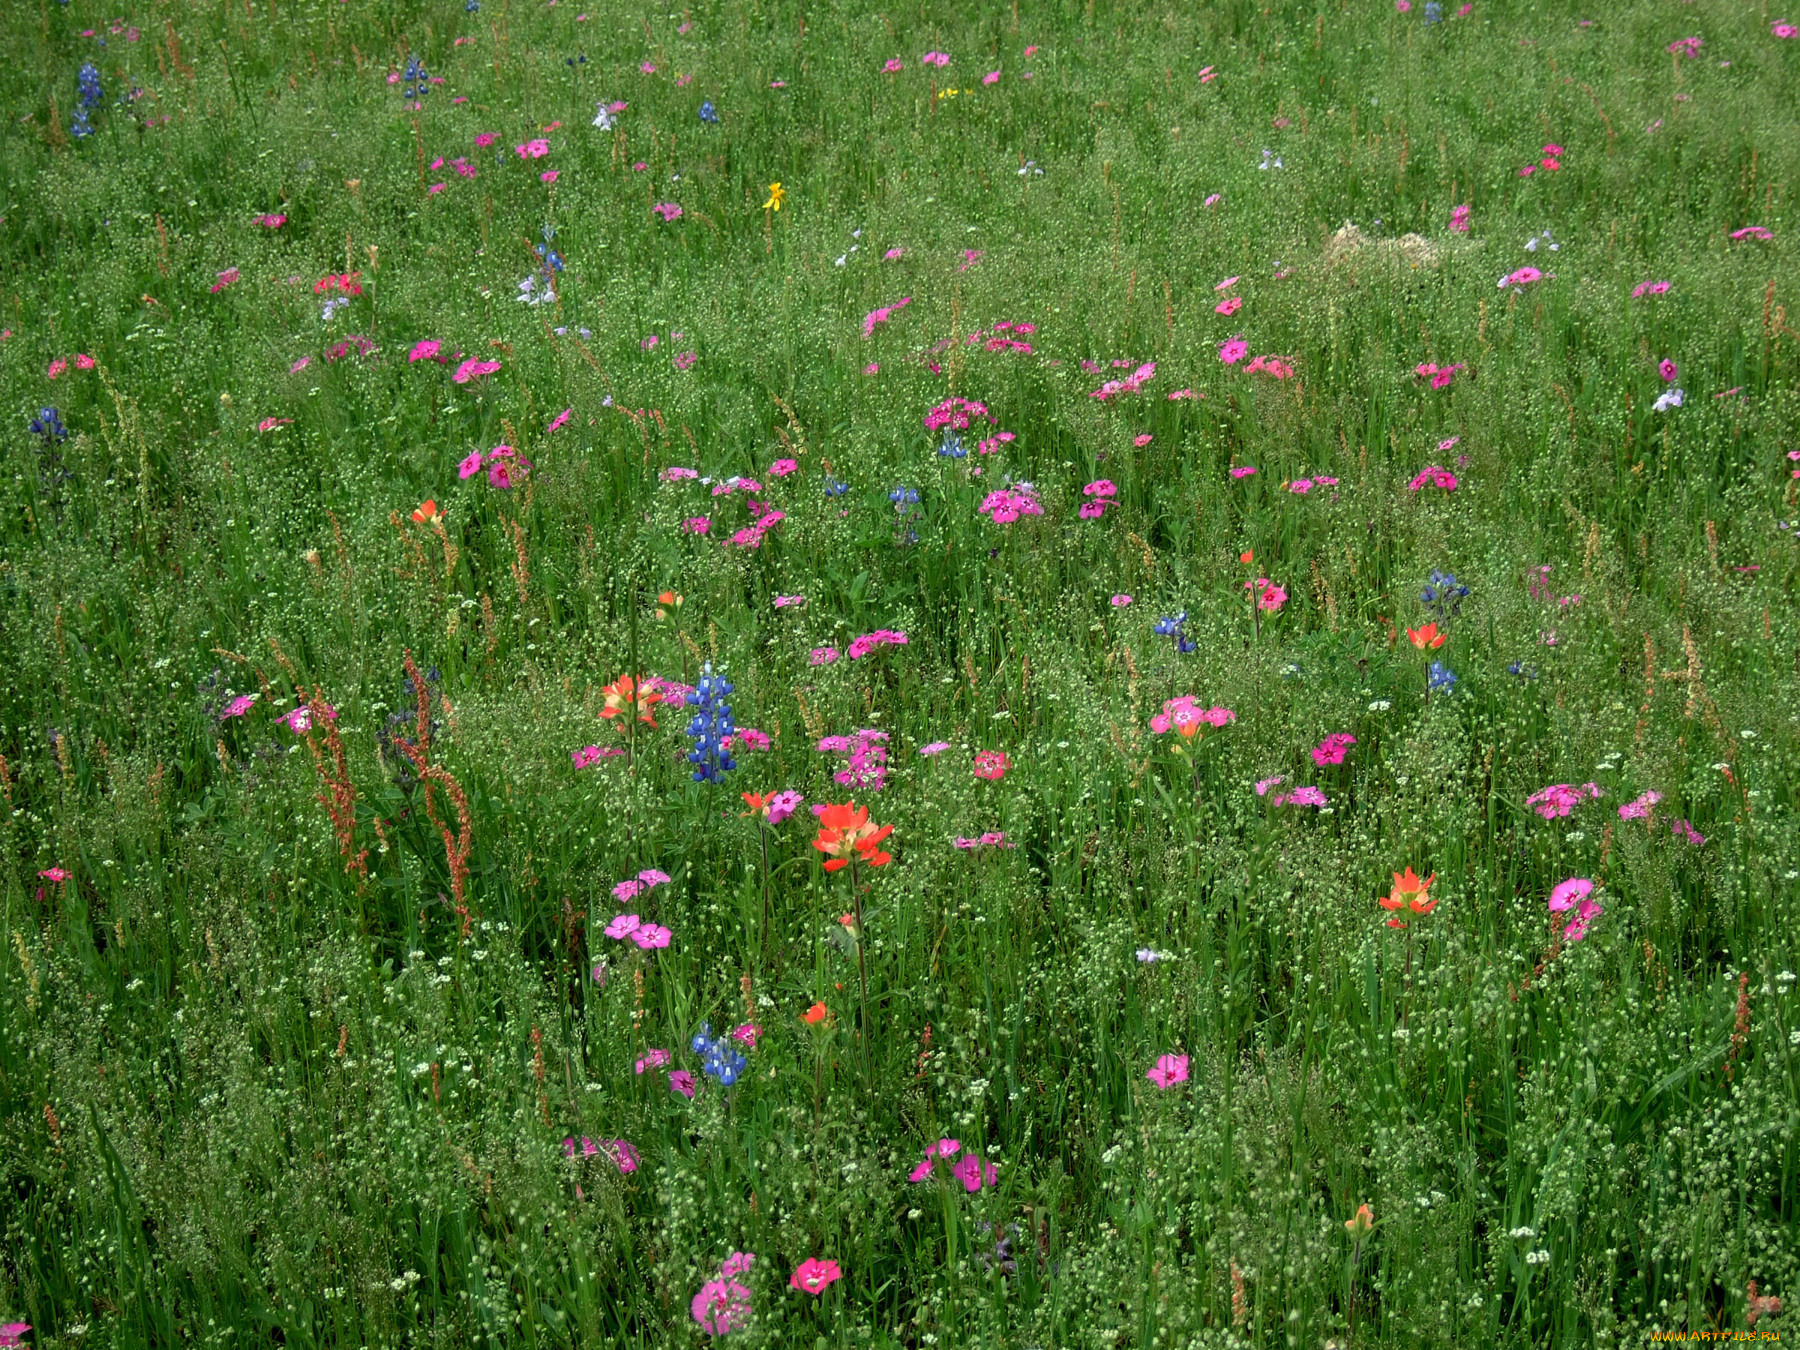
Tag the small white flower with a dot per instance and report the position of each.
(1672, 399)
(422, 1068)
(1111, 1155)
(1380, 705)
(1747, 734)
(602, 118)
(1518, 1234)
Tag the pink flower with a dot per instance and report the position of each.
(299, 720)
(1559, 799)
(483, 139)
(935, 748)
(1230, 305)
(934, 59)
(548, 176)
(474, 369)
(973, 1173)
(1568, 892)
(1436, 477)
(559, 421)
(536, 149)
(1263, 785)
(424, 350)
(685, 360)
(971, 256)
(1233, 351)
(696, 524)
(1578, 926)
(1403, 5)
(271, 222)
(992, 765)
(1242, 470)
(746, 1035)
(783, 601)
(1271, 599)
(812, 1275)
(54, 874)
(1641, 808)
(1120, 601)
(871, 369)
(680, 1080)
(239, 706)
(1103, 487)
(270, 423)
(589, 755)
(750, 739)
(882, 315)
(1523, 277)
(623, 1155)
(1207, 76)
(781, 468)
(1752, 232)
(1214, 199)
(1644, 288)
(648, 68)
(721, 1307)
(653, 1059)
(1681, 829)
(1333, 748)
(1168, 1071)
(1668, 370)
(668, 211)
(823, 656)
(1783, 30)
(894, 65)
(1301, 486)
(1303, 796)
(226, 278)
(1459, 220)
(992, 77)
(83, 361)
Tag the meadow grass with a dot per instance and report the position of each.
(312, 1031)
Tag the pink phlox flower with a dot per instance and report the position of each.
(1005, 505)
(240, 705)
(1168, 1071)
(1233, 351)
(1566, 893)
(746, 1034)
(425, 350)
(1644, 288)
(1129, 385)
(226, 278)
(957, 414)
(271, 222)
(299, 720)
(1681, 829)
(651, 935)
(1578, 926)
(1523, 277)
(1301, 796)
(54, 874)
(894, 65)
(1277, 366)
(270, 423)
(680, 1080)
(668, 211)
(749, 738)
(934, 59)
(1333, 748)
(1120, 600)
(676, 472)
(535, 149)
(935, 748)
(1689, 46)
(883, 314)
(1301, 486)
(624, 1156)
(1272, 598)
(623, 925)
(991, 765)
(474, 369)
(1668, 370)
(589, 755)
(1230, 305)
(1559, 799)
(1434, 476)
(1783, 29)
(548, 175)
(992, 77)
(721, 1307)
(971, 256)
(300, 365)
(1242, 470)
(1459, 220)
(823, 656)
(781, 468)
(973, 1173)
(1641, 807)
(868, 642)
(483, 139)
(83, 361)
(648, 68)
(783, 805)
(560, 421)
(783, 601)
(696, 524)
(812, 1275)
(1207, 76)
(1264, 784)
(653, 1059)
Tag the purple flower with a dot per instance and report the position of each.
(680, 1080)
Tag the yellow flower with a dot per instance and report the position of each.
(777, 195)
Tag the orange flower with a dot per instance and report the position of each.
(1247, 556)
(1410, 893)
(623, 693)
(1427, 637)
(1360, 1222)
(427, 512)
(669, 599)
(846, 829)
(815, 1014)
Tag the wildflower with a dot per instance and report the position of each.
(815, 1014)
(11, 1332)
(1102, 490)
(1129, 385)
(720, 1060)
(894, 65)
(1171, 626)
(680, 1080)
(721, 1307)
(973, 1173)
(1185, 716)
(1301, 796)
(992, 765)
(48, 424)
(868, 642)
(299, 720)
(750, 738)
(1006, 505)
(1359, 1223)
(773, 807)
(1409, 893)
(845, 830)
(812, 1275)
(226, 278)
(1434, 476)
(822, 656)
(1780, 30)
(781, 468)
(624, 695)
(934, 59)
(1577, 927)
(1301, 486)
(1440, 376)
(883, 314)
(1233, 351)
(935, 748)
(708, 113)
(653, 1058)
(777, 195)
(1566, 893)
(1168, 1071)
(1269, 597)
(1440, 676)
(1681, 829)
(992, 77)
(1229, 305)
(1459, 220)
(668, 211)
(474, 369)
(1755, 1305)
(1333, 748)
(54, 874)
(1670, 399)
(1644, 288)
(1641, 807)
(1559, 799)
(1120, 601)
(1523, 277)
(1243, 470)
(711, 728)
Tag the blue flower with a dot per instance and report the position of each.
(416, 78)
(473, 7)
(719, 1059)
(903, 497)
(1441, 676)
(1170, 624)
(710, 727)
(1523, 671)
(833, 488)
(89, 82)
(953, 448)
(1444, 595)
(48, 424)
(708, 113)
(1434, 12)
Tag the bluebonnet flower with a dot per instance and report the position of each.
(552, 259)
(1434, 12)
(711, 725)
(575, 60)
(833, 488)
(48, 424)
(1170, 626)
(1523, 671)
(91, 96)
(720, 1059)
(953, 448)
(903, 498)
(1444, 595)
(708, 113)
(416, 78)
(1441, 676)
(473, 7)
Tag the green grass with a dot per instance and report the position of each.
(253, 1093)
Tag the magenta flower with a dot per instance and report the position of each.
(1302, 486)
(1263, 785)
(721, 1307)
(1233, 351)
(667, 210)
(1641, 808)
(653, 1059)
(1434, 476)
(935, 748)
(1586, 914)
(536, 149)
(483, 139)
(1332, 749)
(1559, 799)
(696, 524)
(1568, 892)
(226, 278)
(426, 350)
(1459, 220)
(1120, 601)
(749, 738)
(934, 59)
(473, 369)
(675, 472)
(1230, 305)
(823, 656)
(883, 314)
(680, 1080)
(1301, 796)
(623, 1155)
(973, 1173)
(992, 765)
(1644, 288)
(781, 468)
(1668, 370)
(589, 755)
(1783, 30)
(812, 1275)
(558, 422)
(1523, 277)
(1168, 1071)
(623, 925)
(1242, 470)
(54, 874)
(894, 65)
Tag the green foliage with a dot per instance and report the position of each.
(302, 1031)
